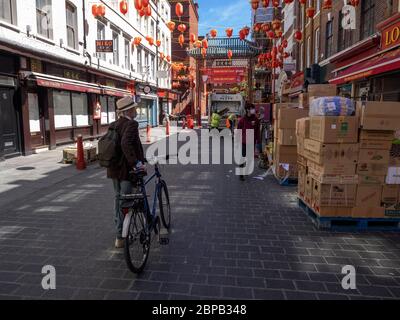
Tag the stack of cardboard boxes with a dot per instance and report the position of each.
(378, 190)
(285, 143)
(344, 162)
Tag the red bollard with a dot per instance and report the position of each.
(148, 133)
(167, 128)
(80, 161)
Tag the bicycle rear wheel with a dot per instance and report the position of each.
(137, 243)
(165, 207)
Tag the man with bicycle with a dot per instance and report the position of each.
(131, 157)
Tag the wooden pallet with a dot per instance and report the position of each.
(348, 223)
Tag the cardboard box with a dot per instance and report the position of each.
(376, 135)
(372, 169)
(300, 146)
(286, 154)
(308, 190)
(367, 179)
(322, 90)
(375, 115)
(334, 212)
(322, 153)
(302, 172)
(341, 169)
(334, 195)
(390, 195)
(302, 160)
(287, 117)
(368, 212)
(393, 175)
(334, 129)
(369, 196)
(375, 144)
(332, 178)
(277, 106)
(287, 137)
(303, 128)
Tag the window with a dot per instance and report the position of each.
(152, 28)
(70, 109)
(152, 67)
(309, 52)
(146, 63)
(107, 109)
(316, 46)
(8, 11)
(127, 55)
(318, 5)
(115, 37)
(367, 18)
(139, 61)
(72, 26)
(345, 36)
(329, 39)
(301, 56)
(44, 21)
(101, 35)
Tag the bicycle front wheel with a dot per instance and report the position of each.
(165, 207)
(137, 243)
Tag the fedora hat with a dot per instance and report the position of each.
(126, 103)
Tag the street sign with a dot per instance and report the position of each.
(104, 46)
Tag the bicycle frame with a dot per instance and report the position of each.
(143, 185)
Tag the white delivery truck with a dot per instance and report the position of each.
(225, 104)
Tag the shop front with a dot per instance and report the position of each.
(59, 109)
(148, 106)
(10, 137)
(166, 99)
(376, 74)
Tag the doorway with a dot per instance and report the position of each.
(36, 121)
(9, 137)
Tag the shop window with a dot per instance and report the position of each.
(62, 109)
(8, 11)
(107, 110)
(309, 52)
(44, 19)
(139, 60)
(72, 25)
(367, 18)
(80, 110)
(316, 46)
(34, 115)
(70, 109)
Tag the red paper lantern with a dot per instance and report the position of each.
(181, 40)
(213, 33)
(147, 11)
(171, 26)
(101, 10)
(179, 9)
(158, 43)
(327, 5)
(138, 5)
(137, 41)
(168, 58)
(298, 35)
(230, 54)
(182, 28)
(229, 32)
(254, 4)
(192, 38)
(205, 43)
(123, 7)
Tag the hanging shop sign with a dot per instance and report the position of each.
(145, 89)
(349, 17)
(104, 46)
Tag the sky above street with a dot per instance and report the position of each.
(222, 14)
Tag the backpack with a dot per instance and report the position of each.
(110, 148)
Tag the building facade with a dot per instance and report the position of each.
(185, 82)
(55, 85)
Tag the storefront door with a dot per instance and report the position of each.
(36, 121)
(9, 138)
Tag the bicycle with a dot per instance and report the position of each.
(140, 222)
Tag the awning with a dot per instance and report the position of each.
(382, 63)
(44, 80)
(48, 81)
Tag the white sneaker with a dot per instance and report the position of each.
(119, 243)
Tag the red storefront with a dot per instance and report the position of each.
(371, 69)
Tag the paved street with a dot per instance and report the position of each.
(230, 240)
